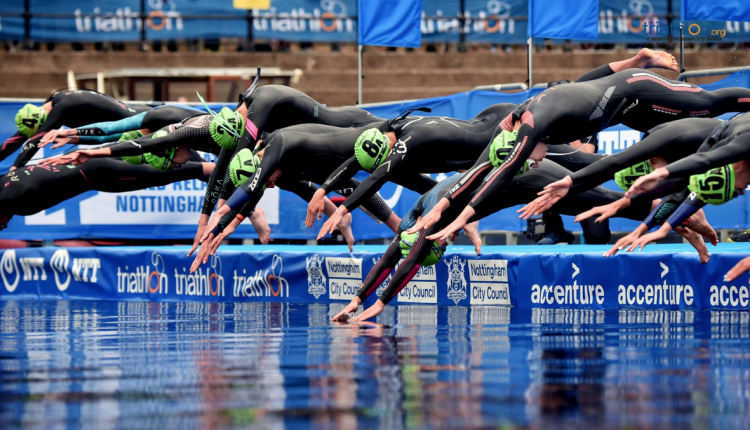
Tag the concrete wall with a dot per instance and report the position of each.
(331, 78)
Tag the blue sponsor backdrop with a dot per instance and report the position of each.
(494, 21)
(69, 220)
(663, 277)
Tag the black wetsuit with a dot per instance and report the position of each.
(272, 107)
(309, 153)
(192, 132)
(72, 109)
(155, 119)
(728, 143)
(636, 98)
(28, 190)
(424, 145)
(731, 143)
(673, 141)
(523, 189)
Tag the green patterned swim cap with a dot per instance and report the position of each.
(163, 163)
(716, 187)
(371, 148)
(29, 118)
(227, 127)
(407, 241)
(626, 177)
(242, 166)
(132, 135)
(501, 147)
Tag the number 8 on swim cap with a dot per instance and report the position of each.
(29, 118)
(371, 148)
(227, 127)
(716, 187)
(501, 147)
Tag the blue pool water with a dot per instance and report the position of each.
(140, 365)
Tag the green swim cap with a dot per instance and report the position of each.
(501, 146)
(29, 118)
(716, 187)
(407, 241)
(242, 166)
(132, 135)
(227, 127)
(371, 148)
(626, 177)
(159, 162)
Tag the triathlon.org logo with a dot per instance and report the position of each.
(456, 279)
(9, 270)
(316, 280)
(268, 283)
(385, 283)
(144, 280)
(201, 283)
(693, 31)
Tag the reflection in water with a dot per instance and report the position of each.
(271, 365)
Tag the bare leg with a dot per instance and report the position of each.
(647, 59)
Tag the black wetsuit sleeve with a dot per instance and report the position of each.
(375, 205)
(472, 178)
(193, 137)
(381, 270)
(304, 189)
(108, 177)
(346, 171)
(419, 183)
(572, 159)
(389, 168)
(247, 209)
(599, 72)
(736, 149)
(500, 177)
(11, 144)
(691, 205)
(215, 186)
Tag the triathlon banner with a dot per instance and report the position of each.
(487, 21)
(578, 277)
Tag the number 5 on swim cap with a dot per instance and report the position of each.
(501, 147)
(371, 148)
(716, 187)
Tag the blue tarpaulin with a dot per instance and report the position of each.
(564, 19)
(709, 10)
(390, 23)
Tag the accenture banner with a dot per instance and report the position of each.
(664, 277)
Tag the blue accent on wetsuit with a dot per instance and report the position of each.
(425, 203)
(112, 130)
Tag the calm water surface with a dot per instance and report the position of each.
(146, 365)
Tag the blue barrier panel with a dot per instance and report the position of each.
(662, 277)
(487, 21)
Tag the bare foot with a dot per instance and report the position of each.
(657, 60)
